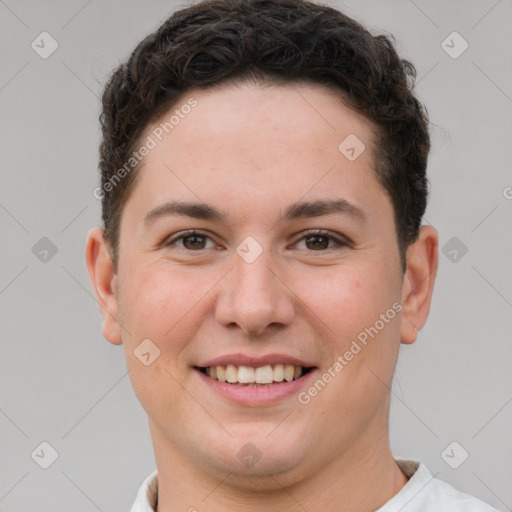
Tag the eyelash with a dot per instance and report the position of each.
(311, 232)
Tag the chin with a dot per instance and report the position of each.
(269, 474)
(256, 460)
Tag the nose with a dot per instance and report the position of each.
(254, 297)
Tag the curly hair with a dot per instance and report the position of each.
(281, 41)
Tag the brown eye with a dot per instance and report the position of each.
(191, 241)
(321, 240)
(194, 242)
(316, 242)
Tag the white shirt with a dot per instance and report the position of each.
(422, 493)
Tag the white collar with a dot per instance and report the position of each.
(422, 493)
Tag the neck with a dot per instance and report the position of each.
(363, 479)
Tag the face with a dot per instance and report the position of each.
(289, 258)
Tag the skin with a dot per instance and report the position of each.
(251, 151)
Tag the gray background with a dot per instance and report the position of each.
(62, 383)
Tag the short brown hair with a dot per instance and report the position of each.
(281, 41)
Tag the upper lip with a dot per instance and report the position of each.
(255, 362)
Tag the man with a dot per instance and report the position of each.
(262, 257)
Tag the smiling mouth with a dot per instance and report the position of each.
(249, 376)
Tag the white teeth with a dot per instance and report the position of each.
(279, 373)
(221, 373)
(249, 375)
(288, 372)
(245, 374)
(263, 375)
(231, 373)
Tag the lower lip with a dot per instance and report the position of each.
(257, 395)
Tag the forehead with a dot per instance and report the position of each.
(300, 113)
(269, 143)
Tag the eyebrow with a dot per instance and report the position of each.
(294, 211)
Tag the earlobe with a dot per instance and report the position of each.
(418, 285)
(101, 273)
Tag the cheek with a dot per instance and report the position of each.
(164, 305)
(348, 305)
(361, 348)
(349, 298)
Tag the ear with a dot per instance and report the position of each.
(418, 284)
(101, 273)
